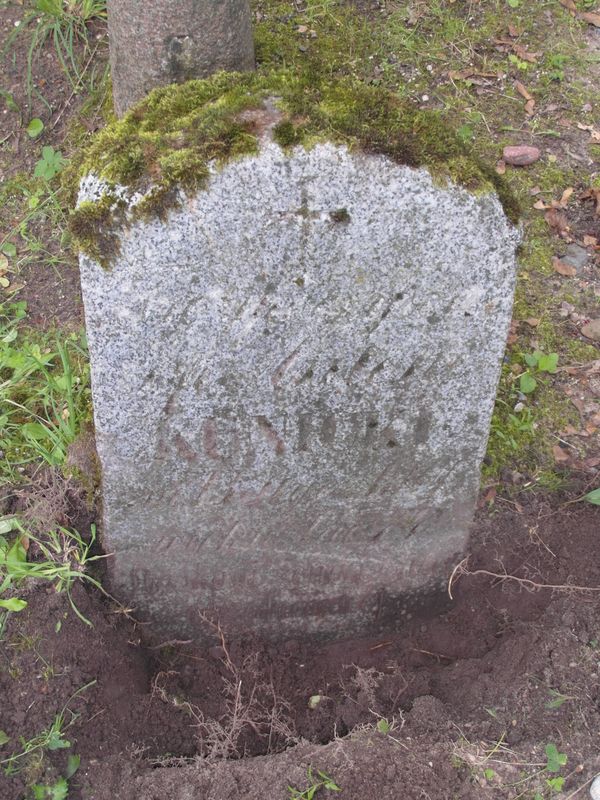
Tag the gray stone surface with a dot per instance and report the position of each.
(293, 381)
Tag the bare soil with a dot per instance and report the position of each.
(492, 671)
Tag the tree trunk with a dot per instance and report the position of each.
(157, 42)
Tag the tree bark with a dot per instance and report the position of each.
(158, 42)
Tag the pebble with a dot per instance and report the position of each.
(520, 155)
(575, 256)
(592, 330)
(595, 788)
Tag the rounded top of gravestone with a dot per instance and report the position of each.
(166, 146)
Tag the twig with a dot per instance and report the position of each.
(461, 569)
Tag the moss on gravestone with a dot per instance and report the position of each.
(164, 145)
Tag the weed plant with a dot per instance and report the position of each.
(65, 24)
(51, 739)
(44, 395)
(62, 558)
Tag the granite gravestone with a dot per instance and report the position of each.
(293, 379)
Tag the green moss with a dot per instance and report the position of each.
(581, 352)
(94, 227)
(167, 141)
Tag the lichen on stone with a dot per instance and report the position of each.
(164, 147)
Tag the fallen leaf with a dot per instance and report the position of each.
(490, 496)
(560, 455)
(566, 196)
(501, 167)
(302, 29)
(467, 74)
(523, 54)
(569, 431)
(570, 5)
(532, 322)
(590, 241)
(535, 190)
(592, 17)
(522, 90)
(529, 106)
(591, 330)
(512, 336)
(563, 269)
(513, 31)
(557, 220)
(520, 155)
(578, 403)
(592, 194)
(585, 127)
(540, 205)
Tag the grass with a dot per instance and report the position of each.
(44, 394)
(61, 558)
(65, 24)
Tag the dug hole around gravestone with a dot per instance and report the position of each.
(294, 366)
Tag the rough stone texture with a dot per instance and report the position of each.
(158, 42)
(293, 381)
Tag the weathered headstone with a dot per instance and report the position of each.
(293, 377)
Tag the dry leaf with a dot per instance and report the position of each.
(540, 205)
(466, 74)
(302, 29)
(566, 196)
(529, 106)
(578, 403)
(522, 90)
(570, 5)
(560, 455)
(513, 31)
(592, 194)
(524, 55)
(589, 241)
(591, 330)
(532, 321)
(569, 431)
(490, 496)
(563, 269)
(556, 219)
(585, 127)
(592, 17)
(501, 167)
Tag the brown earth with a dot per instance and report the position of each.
(506, 670)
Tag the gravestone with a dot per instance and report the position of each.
(294, 371)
